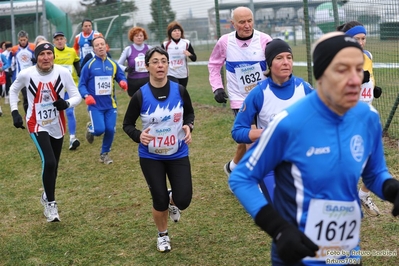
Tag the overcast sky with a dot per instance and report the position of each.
(200, 8)
(181, 7)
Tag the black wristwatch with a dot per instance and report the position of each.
(191, 126)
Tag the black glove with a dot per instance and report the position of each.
(129, 69)
(17, 119)
(377, 92)
(220, 95)
(366, 76)
(390, 190)
(292, 245)
(61, 104)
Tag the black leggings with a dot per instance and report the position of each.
(49, 149)
(179, 175)
(182, 82)
(135, 84)
(8, 82)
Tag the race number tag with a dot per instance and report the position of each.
(177, 61)
(139, 64)
(165, 141)
(248, 77)
(103, 85)
(46, 114)
(366, 93)
(86, 50)
(334, 226)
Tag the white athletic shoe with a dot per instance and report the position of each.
(174, 212)
(43, 199)
(73, 144)
(227, 171)
(163, 244)
(51, 212)
(1, 112)
(369, 206)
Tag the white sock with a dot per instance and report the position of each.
(232, 165)
(164, 233)
(363, 194)
(71, 137)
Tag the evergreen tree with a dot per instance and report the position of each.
(162, 15)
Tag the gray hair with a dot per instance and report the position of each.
(22, 34)
(39, 38)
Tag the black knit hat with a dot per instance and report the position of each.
(42, 47)
(275, 47)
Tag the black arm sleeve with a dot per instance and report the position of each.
(193, 56)
(188, 116)
(77, 67)
(131, 116)
(86, 59)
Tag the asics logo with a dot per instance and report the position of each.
(317, 151)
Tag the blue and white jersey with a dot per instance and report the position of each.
(165, 120)
(264, 102)
(244, 67)
(98, 78)
(318, 158)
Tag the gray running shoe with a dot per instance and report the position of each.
(51, 212)
(89, 136)
(104, 158)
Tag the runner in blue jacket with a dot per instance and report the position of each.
(96, 86)
(319, 147)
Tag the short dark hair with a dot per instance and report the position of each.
(87, 20)
(98, 37)
(173, 26)
(348, 25)
(151, 51)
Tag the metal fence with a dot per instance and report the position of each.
(280, 19)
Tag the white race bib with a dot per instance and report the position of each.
(366, 93)
(86, 50)
(103, 85)
(248, 77)
(165, 142)
(177, 60)
(333, 226)
(46, 114)
(140, 64)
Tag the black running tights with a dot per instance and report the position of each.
(49, 149)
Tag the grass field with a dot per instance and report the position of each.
(106, 209)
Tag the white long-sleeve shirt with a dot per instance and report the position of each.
(42, 91)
